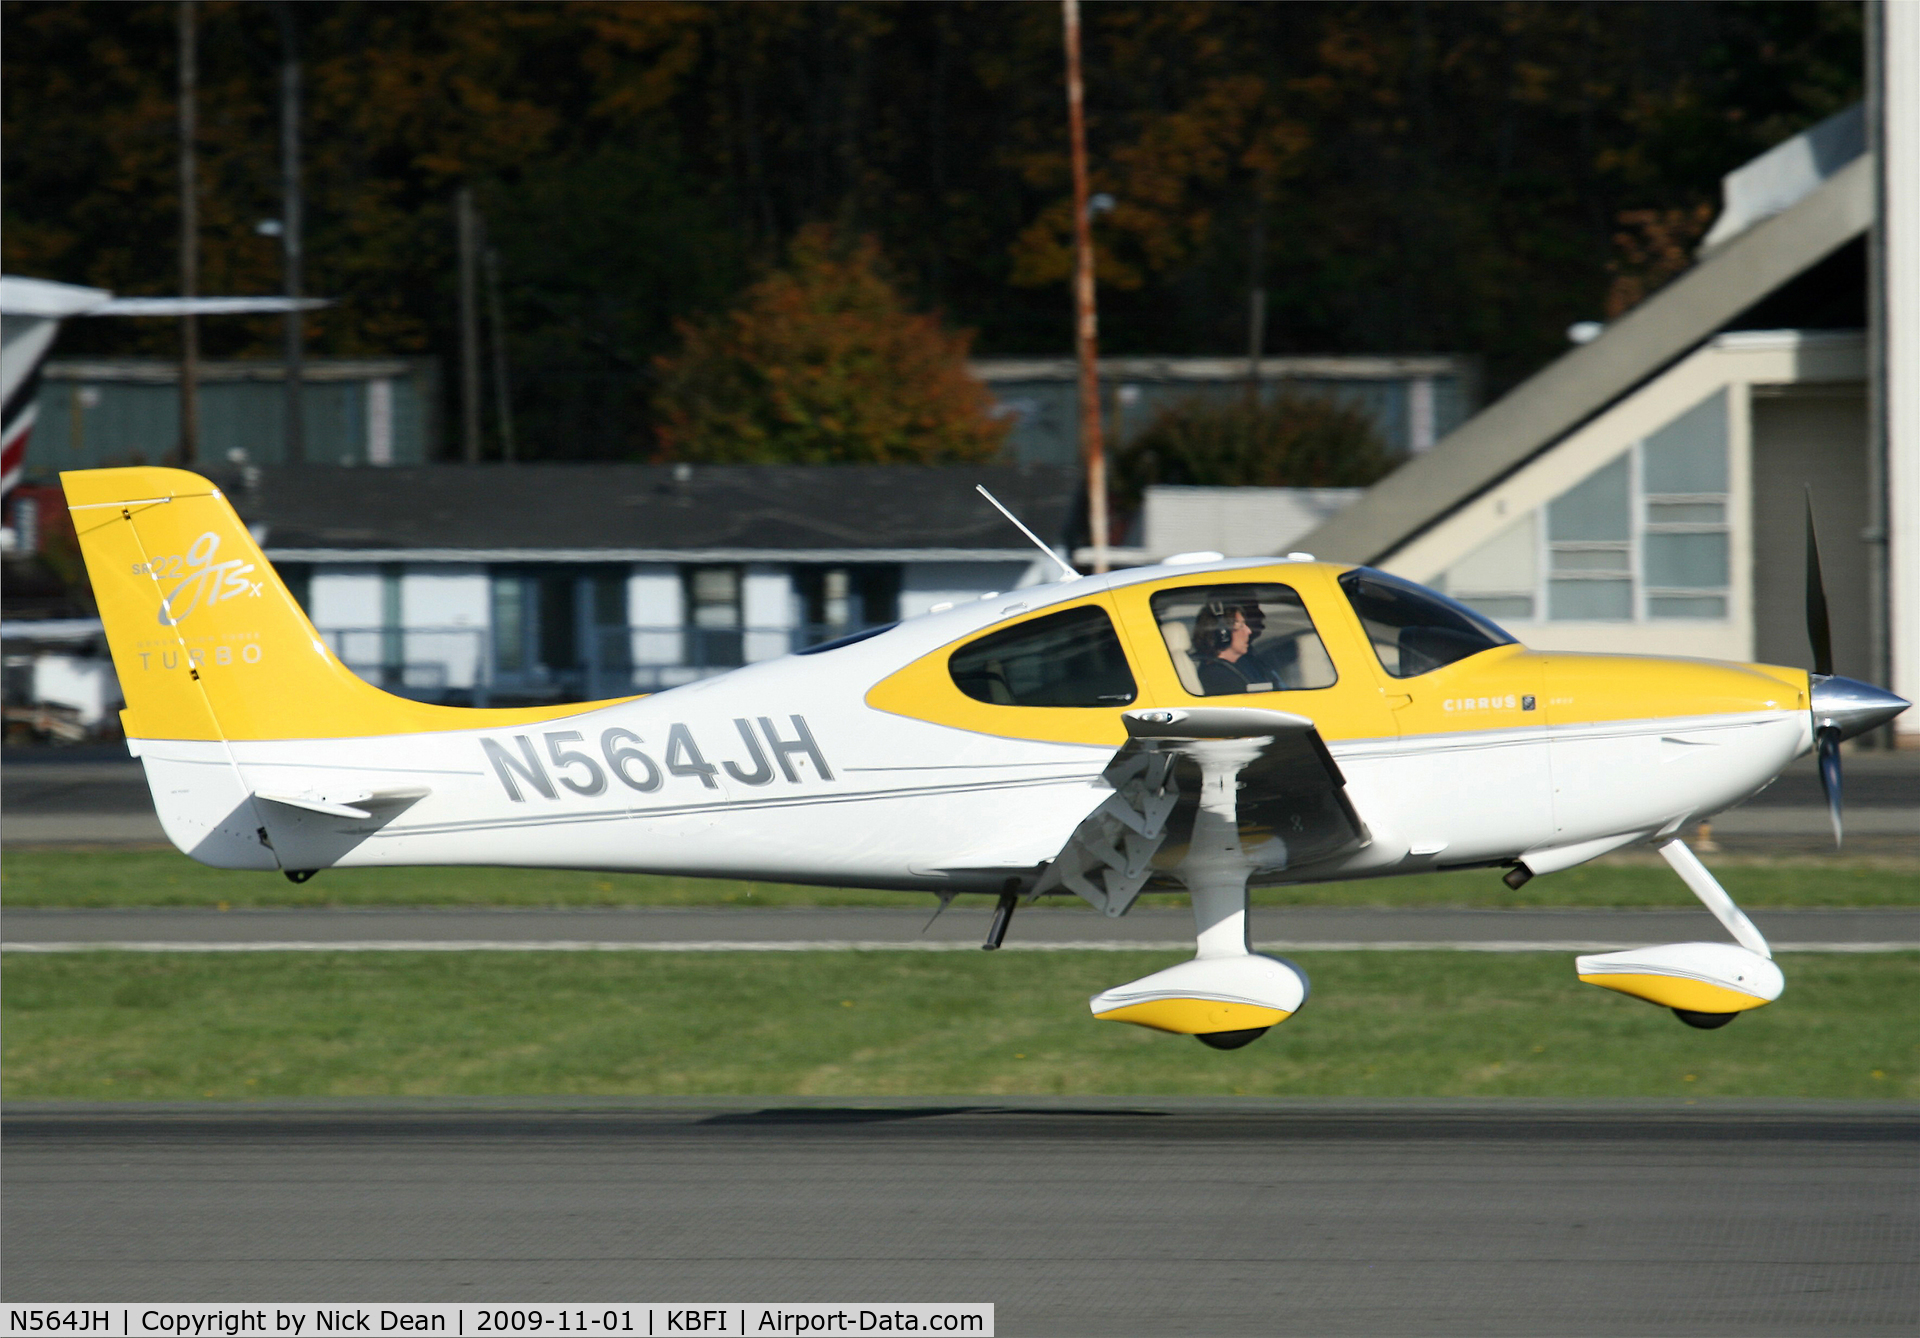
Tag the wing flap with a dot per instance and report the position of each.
(1292, 808)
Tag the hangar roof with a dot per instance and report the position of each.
(625, 512)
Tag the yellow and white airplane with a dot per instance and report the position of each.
(1204, 724)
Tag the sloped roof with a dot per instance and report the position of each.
(1547, 406)
(631, 511)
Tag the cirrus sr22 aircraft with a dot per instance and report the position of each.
(1204, 725)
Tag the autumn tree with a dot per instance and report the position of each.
(822, 362)
(1403, 177)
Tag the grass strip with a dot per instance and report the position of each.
(41, 877)
(1412, 1024)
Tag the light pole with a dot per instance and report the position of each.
(1086, 321)
(292, 233)
(189, 240)
(468, 227)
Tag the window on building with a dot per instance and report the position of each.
(1241, 638)
(393, 627)
(298, 578)
(1072, 658)
(610, 649)
(1645, 536)
(1590, 548)
(1683, 472)
(1413, 630)
(1500, 578)
(837, 600)
(561, 627)
(713, 622)
(514, 611)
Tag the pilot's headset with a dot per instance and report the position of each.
(1213, 629)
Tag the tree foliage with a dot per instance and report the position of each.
(1283, 441)
(822, 363)
(1419, 177)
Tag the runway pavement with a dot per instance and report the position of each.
(1079, 1217)
(736, 928)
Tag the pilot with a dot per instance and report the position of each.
(1222, 635)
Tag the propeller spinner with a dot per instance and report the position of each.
(1842, 707)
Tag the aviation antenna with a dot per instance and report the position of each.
(1062, 563)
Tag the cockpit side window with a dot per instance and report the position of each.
(1227, 639)
(1415, 630)
(1071, 658)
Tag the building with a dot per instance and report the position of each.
(584, 581)
(99, 412)
(1413, 401)
(1647, 491)
(1233, 522)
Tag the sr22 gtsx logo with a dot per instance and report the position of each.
(620, 756)
(205, 581)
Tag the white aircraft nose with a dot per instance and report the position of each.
(1852, 707)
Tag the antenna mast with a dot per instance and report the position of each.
(1058, 561)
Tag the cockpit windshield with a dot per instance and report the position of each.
(1415, 630)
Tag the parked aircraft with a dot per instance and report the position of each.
(33, 309)
(1205, 725)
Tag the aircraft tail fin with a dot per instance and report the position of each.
(206, 638)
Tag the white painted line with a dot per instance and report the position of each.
(864, 945)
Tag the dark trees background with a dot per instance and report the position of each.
(1461, 178)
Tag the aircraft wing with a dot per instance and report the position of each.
(1292, 805)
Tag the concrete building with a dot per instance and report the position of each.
(1413, 401)
(99, 412)
(1647, 491)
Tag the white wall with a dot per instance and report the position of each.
(1240, 522)
(344, 596)
(656, 598)
(84, 682)
(347, 597)
(447, 597)
(766, 601)
(924, 584)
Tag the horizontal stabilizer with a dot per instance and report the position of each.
(344, 805)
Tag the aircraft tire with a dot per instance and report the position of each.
(1704, 1021)
(1230, 1040)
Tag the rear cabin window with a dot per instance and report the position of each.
(1415, 630)
(1227, 639)
(1064, 659)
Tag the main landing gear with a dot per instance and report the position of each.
(1228, 995)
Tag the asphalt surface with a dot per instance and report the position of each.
(96, 796)
(1301, 928)
(1083, 1217)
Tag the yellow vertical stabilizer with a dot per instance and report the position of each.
(207, 640)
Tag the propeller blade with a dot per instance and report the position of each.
(1819, 630)
(1829, 744)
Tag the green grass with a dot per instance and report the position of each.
(52, 877)
(166, 1026)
